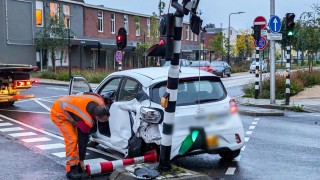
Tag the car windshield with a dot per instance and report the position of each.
(190, 91)
(182, 63)
(198, 64)
(217, 64)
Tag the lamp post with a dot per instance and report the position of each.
(229, 35)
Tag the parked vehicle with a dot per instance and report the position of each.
(264, 68)
(221, 68)
(204, 112)
(183, 62)
(14, 78)
(203, 65)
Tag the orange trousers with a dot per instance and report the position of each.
(70, 135)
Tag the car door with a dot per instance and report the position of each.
(78, 85)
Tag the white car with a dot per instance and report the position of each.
(206, 117)
(264, 66)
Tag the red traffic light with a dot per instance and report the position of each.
(119, 38)
(161, 42)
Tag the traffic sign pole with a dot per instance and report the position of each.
(256, 86)
(272, 60)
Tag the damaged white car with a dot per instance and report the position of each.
(206, 117)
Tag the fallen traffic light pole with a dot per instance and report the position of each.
(109, 166)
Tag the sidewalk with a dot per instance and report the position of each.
(57, 83)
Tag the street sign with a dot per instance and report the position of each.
(274, 36)
(260, 20)
(275, 24)
(264, 32)
(119, 56)
(262, 44)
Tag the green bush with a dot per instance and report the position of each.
(240, 67)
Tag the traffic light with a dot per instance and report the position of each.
(121, 38)
(256, 32)
(290, 24)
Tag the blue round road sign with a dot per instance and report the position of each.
(275, 24)
(262, 44)
(118, 56)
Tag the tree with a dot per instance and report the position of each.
(52, 37)
(218, 44)
(244, 45)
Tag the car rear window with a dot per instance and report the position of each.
(191, 91)
(198, 64)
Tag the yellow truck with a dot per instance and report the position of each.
(14, 78)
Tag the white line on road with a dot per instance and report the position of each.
(256, 119)
(246, 139)
(94, 161)
(237, 159)
(231, 171)
(25, 111)
(55, 88)
(252, 127)
(249, 132)
(5, 124)
(11, 129)
(51, 146)
(255, 123)
(42, 139)
(243, 148)
(0, 120)
(23, 134)
(43, 105)
(45, 100)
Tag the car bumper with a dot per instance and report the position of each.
(218, 73)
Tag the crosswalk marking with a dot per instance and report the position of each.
(5, 124)
(11, 129)
(252, 127)
(50, 146)
(36, 139)
(62, 154)
(246, 139)
(243, 148)
(23, 134)
(237, 159)
(254, 122)
(256, 119)
(94, 161)
(249, 132)
(231, 171)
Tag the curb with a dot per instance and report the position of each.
(259, 113)
(123, 174)
(56, 84)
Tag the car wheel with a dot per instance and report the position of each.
(229, 155)
(222, 75)
(7, 104)
(229, 75)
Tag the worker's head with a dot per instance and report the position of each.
(101, 113)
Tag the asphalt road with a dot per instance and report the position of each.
(276, 147)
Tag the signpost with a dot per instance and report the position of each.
(274, 36)
(262, 44)
(275, 24)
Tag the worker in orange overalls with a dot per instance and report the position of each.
(75, 115)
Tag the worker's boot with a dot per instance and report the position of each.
(74, 173)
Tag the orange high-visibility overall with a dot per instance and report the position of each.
(60, 116)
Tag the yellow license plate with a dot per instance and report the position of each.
(212, 141)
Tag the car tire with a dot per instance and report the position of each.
(7, 104)
(229, 75)
(229, 155)
(222, 75)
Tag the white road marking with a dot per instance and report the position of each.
(246, 139)
(31, 127)
(243, 148)
(51, 146)
(43, 105)
(26, 111)
(45, 100)
(94, 161)
(5, 124)
(55, 88)
(62, 154)
(237, 159)
(252, 127)
(295, 115)
(231, 171)
(256, 119)
(11, 129)
(42, 139)
(249, 132)
(317, 115)
(0, 120)
(255, 123)
(23, 134)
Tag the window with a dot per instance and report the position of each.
(137, 28)
(187, 32)
(54, 10)
(128, 90)
(148, 27)
(100, 21)
(66, 16)
(126, 23)
(39, 13)
(113, 23)
(191, 36)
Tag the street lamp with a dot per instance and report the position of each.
(229, 35)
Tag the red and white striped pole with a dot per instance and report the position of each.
(109, 166)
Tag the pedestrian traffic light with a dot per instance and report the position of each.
(290, 24)
(256, 32)
(121, 38)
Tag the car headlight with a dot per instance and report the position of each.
(151, 115)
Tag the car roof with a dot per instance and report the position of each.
(148, 76)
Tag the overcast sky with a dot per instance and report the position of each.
(217, 11)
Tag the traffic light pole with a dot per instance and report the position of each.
(288, 48)
(256, 87)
